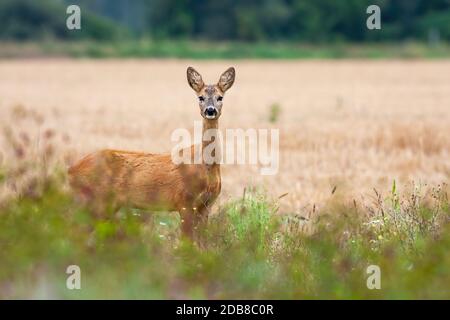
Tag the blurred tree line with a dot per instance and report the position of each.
(311, 21)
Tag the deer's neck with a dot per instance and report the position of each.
(211, 143)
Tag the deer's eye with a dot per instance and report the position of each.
(201, 98)
(219, 98)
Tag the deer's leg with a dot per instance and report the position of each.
(201, 218)
(201, 221)
(187, 222)
(193, 221)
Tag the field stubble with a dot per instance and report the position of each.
(347, 126)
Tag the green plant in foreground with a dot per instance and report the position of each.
(247, 252)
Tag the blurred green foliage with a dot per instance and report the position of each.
(300, 20)
(46, 19)
(249, 250)
(223, 50)
(311, 21)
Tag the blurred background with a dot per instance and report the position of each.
(327, 24)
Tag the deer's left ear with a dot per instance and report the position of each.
(227, 79)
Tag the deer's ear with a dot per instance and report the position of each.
(227, 79)
(195, 79)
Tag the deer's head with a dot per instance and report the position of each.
(210, 97)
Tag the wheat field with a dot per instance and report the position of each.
(348, 126)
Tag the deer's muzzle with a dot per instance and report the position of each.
(211, 112)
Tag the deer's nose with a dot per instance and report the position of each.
(211, 112)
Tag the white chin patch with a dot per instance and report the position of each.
(210, 117)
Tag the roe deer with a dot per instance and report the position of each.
(153, 181)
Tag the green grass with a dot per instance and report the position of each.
(274, 112)
(223, 50)
(250, 250)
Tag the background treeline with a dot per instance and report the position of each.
(312, 21)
